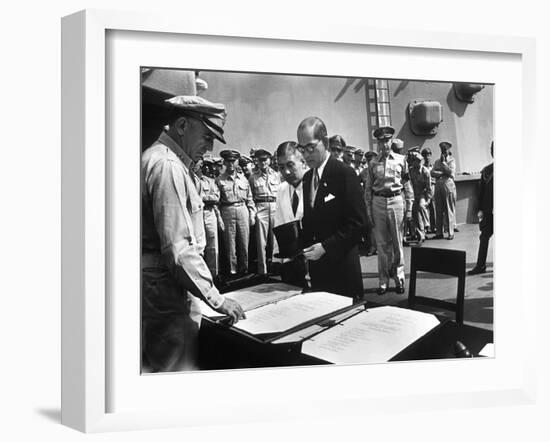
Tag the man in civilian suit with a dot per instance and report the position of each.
(485, 216)
(334, 215)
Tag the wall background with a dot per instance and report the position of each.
(30, 217)
(265, 110)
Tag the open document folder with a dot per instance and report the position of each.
(277, 307)
(256, 296)
(373, 335)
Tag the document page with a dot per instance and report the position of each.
(305, 333)
(256, 296)
(291, 312)
(375, 335)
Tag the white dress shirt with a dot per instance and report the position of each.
(283, 210)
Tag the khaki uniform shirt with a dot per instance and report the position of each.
(172, 218)
(421, 183)
(209, 190)
(387, 174)
(264, 185)
(235, 189)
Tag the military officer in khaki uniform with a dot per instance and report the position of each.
(445, 192)
(422, 189)
(358, 156)
(173, 272)
(264, 183)
(238, 212)
(210, 195)
(384, 184)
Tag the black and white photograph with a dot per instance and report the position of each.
(299, 220)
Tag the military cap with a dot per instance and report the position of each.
(336, 142)
(351, 149)
(445, 145)
(212, 115)
(413, 149)
(262, 153)
(208, 159)
(218, 161)
(397, 144)
(230, 155)
(244, 160)
(370, 154)
(359, 152)
(415, 156)
(383, 132)
(426, 151)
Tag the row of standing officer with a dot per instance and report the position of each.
(243, 203)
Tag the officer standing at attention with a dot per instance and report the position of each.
(385, 208)
(358, 156)
(238, 212)
(427, 163)
(445, 191)
(485, 216)
(369, 231)
(212, 218)
(173, 238)
(422, 189)
(264, 183)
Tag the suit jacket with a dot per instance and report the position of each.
(485, 193)
(336, 220)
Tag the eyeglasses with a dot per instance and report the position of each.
(309, 148)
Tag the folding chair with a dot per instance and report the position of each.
(441, 261)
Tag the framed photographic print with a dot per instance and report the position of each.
(151, 109)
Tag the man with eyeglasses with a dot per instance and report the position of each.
(384, 184)
(334, 215)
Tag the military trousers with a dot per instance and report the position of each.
(265, 239)
(211, 253)
(445, 202)
(387, 214)
(421, 217)
(170, 322)
(236, 236)
(486, 228)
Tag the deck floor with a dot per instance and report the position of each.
(478, 303)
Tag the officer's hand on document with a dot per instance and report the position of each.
(232, 309)
(315, 252)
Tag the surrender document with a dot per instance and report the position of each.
(256, 296)
(291, 312)
(376, 335)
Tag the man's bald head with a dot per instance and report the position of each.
(314, 128)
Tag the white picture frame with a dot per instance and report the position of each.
(85, 233)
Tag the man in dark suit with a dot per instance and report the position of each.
(334, 215)
(485, 216)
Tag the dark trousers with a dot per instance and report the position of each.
(486, 228)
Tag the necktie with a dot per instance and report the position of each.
(315, 182)
(295, 202)
(315, 179)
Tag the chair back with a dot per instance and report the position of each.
(441, 261)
